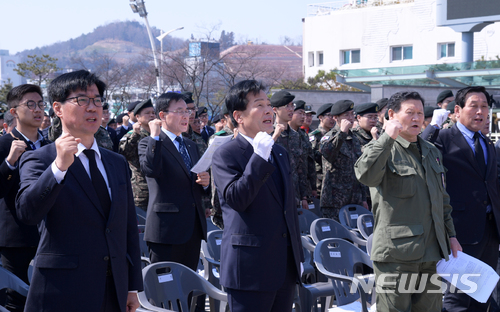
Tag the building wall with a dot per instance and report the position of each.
(375, 29)
(7, 65)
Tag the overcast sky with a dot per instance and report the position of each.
(27, 24)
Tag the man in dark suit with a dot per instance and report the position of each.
(261, 248)
(206, 130)
(88, 258)
(18, 241)
(472, 183)
(176, 220)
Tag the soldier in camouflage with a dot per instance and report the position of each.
(340, 150)
(452, 118)
(283, 107)
(296, 123)
(367, 116)
(326, 123)
(128, 147)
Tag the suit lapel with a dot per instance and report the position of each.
(491, 157)
(16, 134)
(170, 147)
(459, 140)
(278, 160)
(110, 168)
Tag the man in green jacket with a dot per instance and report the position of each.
(413, 227)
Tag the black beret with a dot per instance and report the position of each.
(325, 108)
(105, 106)
(366, 108)
(309, 110)
(132, 105)
(202, 110)
(382, 103)
(299, 104)
(281, 98)
(188, 97)
(386, 115)
(144, 104)
(51, 112)
(1, 115)
(451, 107)
(443, 95)
(428, 111)
(216, 119)
(111, 121)
(341, 107)
(119, 118)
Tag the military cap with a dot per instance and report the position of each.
(111, 121)
(299, 104)
(188, 97)
(223, 110)
(386, 115)
(119, 118)
(341, 107)
(1, 115)
(216, 119)
(105, 106)
(132, 105)
(443, 95)
(325, 108)
(144, 104)
(202, 110)
(428, 111)
(51, 112)
(451, 107)
(281, 98)
(309, 110)
(366, 108)
(382, 103)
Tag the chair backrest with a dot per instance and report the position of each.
(210, 225)
(369, 243)
(168, 285)
(365, 225)
(9, 280)
(327, 228)
(214, 240)
(306, 217)
(348, 215)
(340, 257)
(315, 207)
(141, 216)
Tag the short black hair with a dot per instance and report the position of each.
(236, 98)
(16, 94)
(163, 102)
(62, 86)
(462, 95)
(399, 97)
(8, 118)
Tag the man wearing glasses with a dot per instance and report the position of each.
(18, 241)
(176, 220)
(80, 196)
(367, 117)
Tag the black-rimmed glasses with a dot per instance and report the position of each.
(32, 105)
(85, 100)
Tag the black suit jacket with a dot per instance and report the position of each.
(77, 241)
(469, 191)
(259, 221)
(204, 134)
(174, 197)
(14, 233)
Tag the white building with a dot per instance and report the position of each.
(347, 35)
(7, 65)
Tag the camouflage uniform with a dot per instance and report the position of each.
(290, 140)
(340, 187)
(310, 163)
(129, 148)
(315, 139)
(449, 123)
(198, 139)
(216, 210)
(363, 136)
(101, 136)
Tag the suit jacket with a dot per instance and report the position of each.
(204, 134)
(77, 242)
(114, 138)
(174, 196)
(259, 222)
(121, 131)
(14, 233)
(469, 191)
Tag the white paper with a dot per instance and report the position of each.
(335, 254)
(471, 275)
(325, 228)
(354, 216)
(369, 224)
(311, 206)
(206, 160)
(165, 278)
(218, 242)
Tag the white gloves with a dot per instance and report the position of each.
(439, 116)
(262, 145)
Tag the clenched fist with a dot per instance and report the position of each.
(17, 148)
(393, 127)
(66, 147)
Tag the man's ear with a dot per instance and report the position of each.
(391, 113)
(237, 117)
(13, 112)
(57, 106)
(161, 115)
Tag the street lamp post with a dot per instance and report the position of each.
(161, 37)
(139, 7)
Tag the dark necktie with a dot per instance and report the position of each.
(98, 182)
(479, 153)
(32, 145)
(184, 153)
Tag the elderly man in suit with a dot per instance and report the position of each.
(88, 258)
(261, 248)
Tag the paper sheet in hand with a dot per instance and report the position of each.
(206, 160)
(472, 276)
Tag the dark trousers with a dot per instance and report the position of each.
(487, 251)
(280, 300)
(110, 302)
(17, 260)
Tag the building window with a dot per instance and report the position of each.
(311, 59)
(320, 58)
(351, 56)
(446, 50)
(402, 53)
